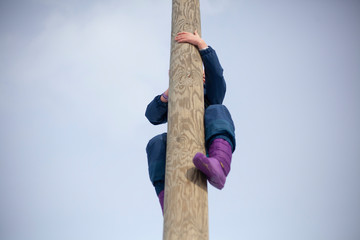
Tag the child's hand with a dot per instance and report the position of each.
(194, 39)
(165, 99)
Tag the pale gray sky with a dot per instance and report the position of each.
(75, 79)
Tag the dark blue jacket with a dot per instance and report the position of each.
(214, 88)
(218, 121)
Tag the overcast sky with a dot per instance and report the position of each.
(75, 79)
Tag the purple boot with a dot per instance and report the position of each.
(216, 167)
(161, 200)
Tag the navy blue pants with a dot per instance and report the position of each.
(218, 124)
(156, 153)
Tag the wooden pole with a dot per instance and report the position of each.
(186, 203)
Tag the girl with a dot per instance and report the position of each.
(219, 127)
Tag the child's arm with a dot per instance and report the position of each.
(156, 111)
(214, 79)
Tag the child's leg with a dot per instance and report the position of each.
(216, 167)
(156, 154)
(220, 144)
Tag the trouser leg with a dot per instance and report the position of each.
(156, 154)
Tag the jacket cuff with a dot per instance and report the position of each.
(161, 103)
(206, 51)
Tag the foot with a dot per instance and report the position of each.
(161, 200)
(212, 168)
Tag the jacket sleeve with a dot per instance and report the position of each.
(214, 80)
(156, 111)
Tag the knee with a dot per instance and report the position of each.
(217, 109)
(218, 112)
(156, 143)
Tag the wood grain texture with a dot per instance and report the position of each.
(186, 203)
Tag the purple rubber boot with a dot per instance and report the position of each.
(216, 167)
(161, 200)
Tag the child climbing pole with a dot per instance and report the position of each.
(219, 127)
(183, 196)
